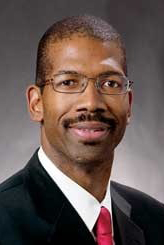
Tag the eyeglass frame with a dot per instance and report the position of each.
(50, 81)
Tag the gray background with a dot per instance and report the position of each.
(139, 159)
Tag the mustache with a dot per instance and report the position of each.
(98, 117)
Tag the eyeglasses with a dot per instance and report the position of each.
(70, 83)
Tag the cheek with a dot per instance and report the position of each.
(119, 105)
(56, 107)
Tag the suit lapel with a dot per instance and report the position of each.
(125, 230)
(65, 225)
(70, 229)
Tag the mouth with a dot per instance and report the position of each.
(90, 131)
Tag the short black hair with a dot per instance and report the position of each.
(83, 25)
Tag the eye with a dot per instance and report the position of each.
(110, 83)
(69, 82)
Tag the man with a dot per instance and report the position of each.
(82, 99)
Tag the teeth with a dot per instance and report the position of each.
(91, 130)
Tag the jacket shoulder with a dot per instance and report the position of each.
(13, 192)
(12, 182)
(142, 204)
(17, 182)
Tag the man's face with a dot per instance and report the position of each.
(84, 127)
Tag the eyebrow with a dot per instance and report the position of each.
(109, 73)
(68, 72)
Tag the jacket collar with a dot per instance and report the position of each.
(129, 232)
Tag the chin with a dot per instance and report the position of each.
(90, 158)
(90, 151)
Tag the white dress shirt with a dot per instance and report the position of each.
(86, 205)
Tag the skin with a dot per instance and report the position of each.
(110, 62)
(87, 162)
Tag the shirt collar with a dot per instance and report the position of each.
(86, 205)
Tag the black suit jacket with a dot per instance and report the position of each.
(33, 210)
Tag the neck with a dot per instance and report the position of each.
(92, 177)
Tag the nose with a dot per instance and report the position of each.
(91, 100)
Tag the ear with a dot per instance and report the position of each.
(34, 103)
(130, 100)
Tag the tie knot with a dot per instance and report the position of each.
(104, 227)
(104, 222)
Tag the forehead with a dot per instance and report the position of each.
(84, 54)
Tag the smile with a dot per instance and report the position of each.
(89, 131)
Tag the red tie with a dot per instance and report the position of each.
(104, 228)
